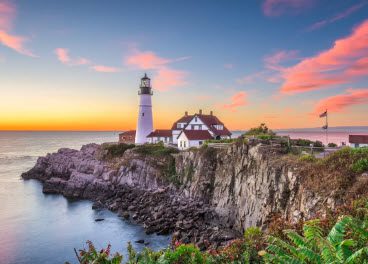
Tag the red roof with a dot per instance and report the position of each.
(184, 119)
(211, 121)
(196, 134)
(160, 133)
(128, 133)
(362, 139)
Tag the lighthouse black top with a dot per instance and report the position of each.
(145, 87)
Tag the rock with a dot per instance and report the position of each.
(140, 241)
(99, 219)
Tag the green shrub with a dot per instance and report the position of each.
(360, 165)
(155, 149)
(331, 145)
(262, 129)
(110, 151)
(308, 158)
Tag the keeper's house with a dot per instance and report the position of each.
(191, 131)
(357, 141)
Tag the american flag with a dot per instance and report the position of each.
(324, 114)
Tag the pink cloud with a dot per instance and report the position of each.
(279, 7)
(146, 60)
(17, 43)
(7, 14)
(340, 102)
(330, 67)
(107, 69)
(64, 57)
(166, 78)
(237, 100)
(337, 17)
(274, 60)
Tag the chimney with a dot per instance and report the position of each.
(200, 111)
(186, 113)
(211, 112)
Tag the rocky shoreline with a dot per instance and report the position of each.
(204, 196)
(161, 210)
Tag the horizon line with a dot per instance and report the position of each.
(65, 130)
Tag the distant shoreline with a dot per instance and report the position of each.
(306, 129)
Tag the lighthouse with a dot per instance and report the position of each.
(145, 123)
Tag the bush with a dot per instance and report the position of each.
(262, 129)
(360, 165)
(308, 158)
(331, 145)
(155, 149)
(111, 151)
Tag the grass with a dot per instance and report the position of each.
(155, 150)
(112, 151)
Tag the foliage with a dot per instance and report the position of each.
(225, 140)
(341, 245)
(155, 149)
(360, 165)
(262, 129)
(339, 238)
(331, 145)
(306, 143)
(111, 151)
(308, 158)
(91, 255)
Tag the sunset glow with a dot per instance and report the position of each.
(77, 66)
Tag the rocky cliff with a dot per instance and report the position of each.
(207, 196)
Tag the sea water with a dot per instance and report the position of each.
(39, 228)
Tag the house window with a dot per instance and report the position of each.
(192, 126)
(200, 127)
(200, 142)
(195, 119)
(179, 125)
(142, 114)
(185, 144)
(357, 145)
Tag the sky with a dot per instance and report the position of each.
(76, 65)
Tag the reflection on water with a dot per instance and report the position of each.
(39, 228)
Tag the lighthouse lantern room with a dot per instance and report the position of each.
(145, 123)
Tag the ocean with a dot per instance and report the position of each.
(39, 228)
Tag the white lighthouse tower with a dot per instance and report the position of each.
(145, 124)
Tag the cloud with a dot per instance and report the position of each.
(7, 14)
(274, 60)
(17, 43)
(341, 102)
(103, 68)
(330, 67)
(337, 17)
(237, 100)
(166, 78)
(64, 57)
(279, 7)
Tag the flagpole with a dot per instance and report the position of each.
(326, 127)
